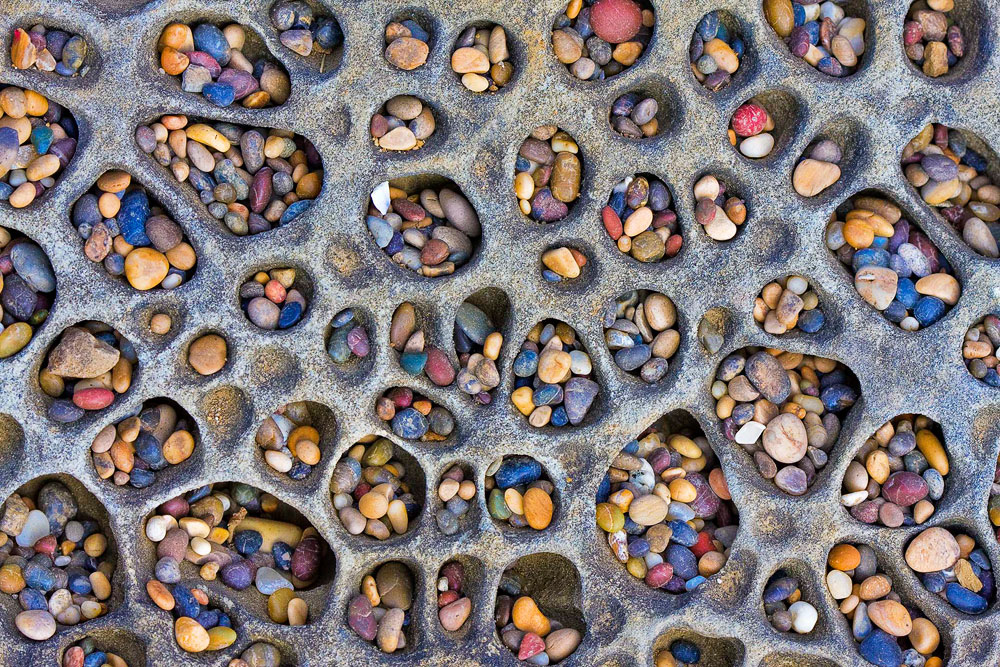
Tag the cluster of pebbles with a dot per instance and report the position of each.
(289, 441)
(822, 34)
(785, 409)
(520, 493)
(597, 39)
(27, 290)
(407, 44)
(640, 328)
(640, 219)
(251, 178)
(135, 449)
(37, 141)
(210, 62)
(49, 50)
(533, 634)
(456, 492)
(481, 58)
(274, 299)
(788, 305)
(547, 174)
(372, 490)
(380, 611)
(979, 350)
(403, 123)
(750, 129)
(719, 215)
(784, 606)
(413, 416)
(634, 116)
(931, 39)
(432, 232)
(306, 32)
(348, 337)
(715, 52)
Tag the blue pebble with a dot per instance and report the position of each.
(811, 321)
(5, 191)
(906, 293)
(413, 362)
(812, 29)
(603, 490)
(208, 619)
(880, 648)
(638, 547)
(282, 553)
(684, 562)
(140, 478)
(632, 447)
(934, 582)
(41, 139)
(522, 382)
(149, 450)
(693, 582)
(409, 424)
(964, 600)
(838, 397)
(132, 217)
(975, 160)
(248, 542)
(617, 202)
(95, 659)
(522, 164)
(780, 589)
(708, 26)
(219, 94)
(396, 243)
(559, 417)
(738, 47)
(870, 257)
(300, 470)
(224, 620)
(31, 599)
(185, 603)
(526, 363)
(517, 471)
(79, 584)
(290, 314)
(881, 242)
(199, 493)
(39, 577)
(416, 31)
(895, 312)
(551, 276)
(979, 558)
(547, 394)
(212, 41)
(344, 317)
(799, 12)
(683, 534)
(685, 651)
(899, 265)
(294, 211)
(929, 309)
(723, 33)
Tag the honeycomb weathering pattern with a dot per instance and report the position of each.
(887, 102)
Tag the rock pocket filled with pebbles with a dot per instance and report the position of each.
(640, 219)
(456, 491)
(454, 605)
(788, 305)
(979, 350)
(897, 269)
(562, 264)
(481, 58)
(253, 179)
(830, 36)
(554, 376)
(132, 235)
(478, 342)
(413, 416)
(407, 43)
(635, 115)
(261, 654)
(950, 564)
(245, 538)
(718, 210)
(752, 129)
(716, 50)
(94, 651)
(49, 50)
(224, 65)
(277, 298)
(161, 435)
(403, 123)
(537, 610)
(932, 40)
(889, 631)
(519, 493)
(785, 409)
(347, 340)
(309, 31)
(666, 508)
(58, 557)
(293, 438)
(783, 604)
(682, 647)
(424, 223)
(640, 329)
(37, 141)
(377, 488)
(597, 39)
(547, 174)
(408, 337)
(818, 169)
(953, 178)
(88, 367)
(27, 290)
(898, 477)
(380, 613)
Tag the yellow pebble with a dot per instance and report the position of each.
(209, 136)
(220, 637)
(933, 451)
(521, 398)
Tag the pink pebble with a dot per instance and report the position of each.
(749, 119)
(615, 21)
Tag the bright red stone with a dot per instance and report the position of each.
(531, 646)
(658, 575)
(703, 545)
(749, 119)
(615, 21)
(93, 398)
(612, 223)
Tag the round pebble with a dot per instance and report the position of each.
(548, 173)
(207, 354)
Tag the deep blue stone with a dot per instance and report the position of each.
(517, 471)
(185, 603)
(282, 553)
(210, 39)
(906, 292)
(880, 648)
(838, 397)
(293, 211)
(149, 450)
(684, 562)
(219, 94)
(683, 534)
(132, 217)
(290, 314)
(526, 363)
(248, 542)
(559, 417)
(685, 651)
(963, 599)
(95, 659)
(208, 619)
(79, 584)
(300, 470)
(410, 424)
(929, 309)
(811, 321)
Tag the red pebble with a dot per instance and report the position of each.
(73, 657)
(531, 645)
(674, 244)
(703, 545)
(615, 21)
(438, 368)
(175, 507)
(446, 598)
(361, 489)
(275, 291)
(46, 545)
(93, 398)
(612, 223)
(402, 397)
(658, 575)
(454, 572)
(749, 119)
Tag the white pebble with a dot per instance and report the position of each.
(749, 433)
(380, 197)
(156, 528)
(855, 498)
(201, 546)
(804, 617)
(757, 146)
(797, 285)
(839, 584)
(278, 460)
(579, 362)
